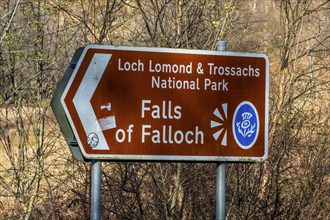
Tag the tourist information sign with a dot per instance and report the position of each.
(126, 103)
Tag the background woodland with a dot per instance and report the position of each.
(39, 179)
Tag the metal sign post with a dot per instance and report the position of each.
(221, 191)
(221, 170)
(96, 190)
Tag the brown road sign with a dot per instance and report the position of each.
(169, 104)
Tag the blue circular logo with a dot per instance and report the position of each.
(245, 125)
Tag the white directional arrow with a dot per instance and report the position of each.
(83, 96)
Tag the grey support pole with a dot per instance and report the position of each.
(221, 191)
(221, 170)
(96, 190)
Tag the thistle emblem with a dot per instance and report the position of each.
(245, 128)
